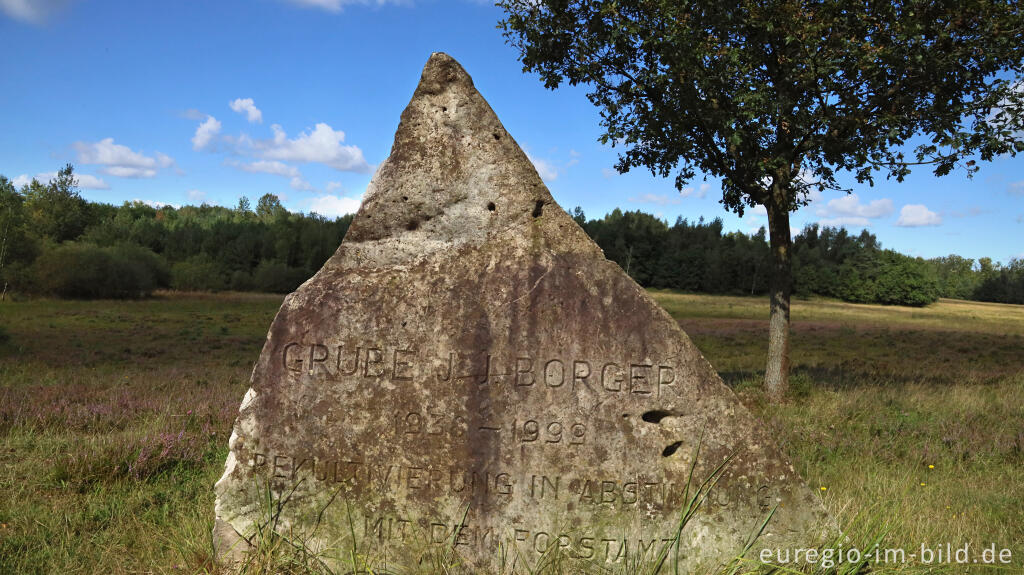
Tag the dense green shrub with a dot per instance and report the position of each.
(902, 280)
(276, 277)
(147, 265)
(241, 281)
(956, 276)
(79, 270)
(198, 273)
(887, 277)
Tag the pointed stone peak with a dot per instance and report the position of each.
(454, 175)
(439, 72)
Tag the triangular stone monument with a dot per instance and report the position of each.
(468, 377)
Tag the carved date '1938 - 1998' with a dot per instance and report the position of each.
(429, 423)
(520, 370)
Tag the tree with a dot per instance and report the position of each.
(243, 209)
(777, 98)
(269, 207)
(956, 276)
(579, 216)
(56, 210)
(16, 246)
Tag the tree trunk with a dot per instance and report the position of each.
(776, 374)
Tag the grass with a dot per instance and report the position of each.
(114, 418)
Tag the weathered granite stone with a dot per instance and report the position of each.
(469, 375)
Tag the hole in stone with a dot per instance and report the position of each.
(405, 198)
(496, 136)
(491, 207)
(412, 225)
(655, 415)
(670, 449)
(444, 108)
(625, 416)
(427, 218)
(538, 208)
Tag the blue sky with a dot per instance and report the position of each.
(189, 102)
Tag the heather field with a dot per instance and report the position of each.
(114, 419)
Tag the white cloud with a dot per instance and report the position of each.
(248, 107)
(336, 5)
(205, 133)
(690, 191)
(121, 161)
(658, 199)
(671, 199)
(267, 167)
(323, 146)
(917, 215)
(574, 158)
(155, 204)
(32, 11)
(334, 206)
(331, 186)
(846, 221)
(848, 211)
(90, 182)
(329, 5)
(193, 114)
(126, 172)
(702, 192)
(971, 212)
(607, 173)
(1014, 101)
(755, 223)
(545, 169)
(1016, 188)
(85, 181)
(196, 196)
(276, 168)
(811, 191)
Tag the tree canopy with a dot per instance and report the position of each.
(778, 98)
(759, 93)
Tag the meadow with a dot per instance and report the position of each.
(114, 419)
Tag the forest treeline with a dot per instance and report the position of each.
(701, 257)
(54, 242)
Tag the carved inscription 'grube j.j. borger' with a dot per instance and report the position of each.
(469, 373)
(520, 370)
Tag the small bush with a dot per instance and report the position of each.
(903, 280)
(887, 277)
(276, 277)
(86, 271)
(198, 273)
(148, 263)
(241, 281)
